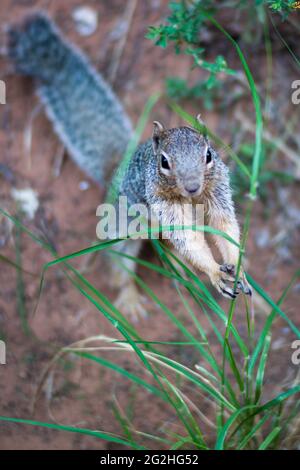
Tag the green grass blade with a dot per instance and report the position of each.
(258, 113)
(234, 366)
(253, 432)
(297, 61)
(268, 324)
(124, 423)
(257, 409)
(273, 434)
(120, 370)
(261, 369)
(275, 307)
(16, 266)
(192, 377)
(187, 417)
(220, 443)
(100, 435)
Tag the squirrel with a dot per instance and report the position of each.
(173, 167)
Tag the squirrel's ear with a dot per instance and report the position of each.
(158, 130)
(199, 119)
(202, 127)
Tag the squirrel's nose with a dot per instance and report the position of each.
(192, 187)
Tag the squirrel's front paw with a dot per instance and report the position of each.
(131, 303)
(242, 283)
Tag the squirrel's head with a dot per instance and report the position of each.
(185, 159)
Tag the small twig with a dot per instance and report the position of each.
(20, 288)
(58, 161)
(118, 50)
(28, 132)
(293, 23)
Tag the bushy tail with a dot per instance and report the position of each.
(36, 47)
(86, 114)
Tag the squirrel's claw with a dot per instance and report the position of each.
(242, 284)
(223, 281)
(227, 291)
(244, 287)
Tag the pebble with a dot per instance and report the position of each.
(84, 185)
(27, 199)
(86, 20)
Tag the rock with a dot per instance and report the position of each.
(86, 20)
(27, 200)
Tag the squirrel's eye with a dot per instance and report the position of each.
(208, 156)
(165, 163)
